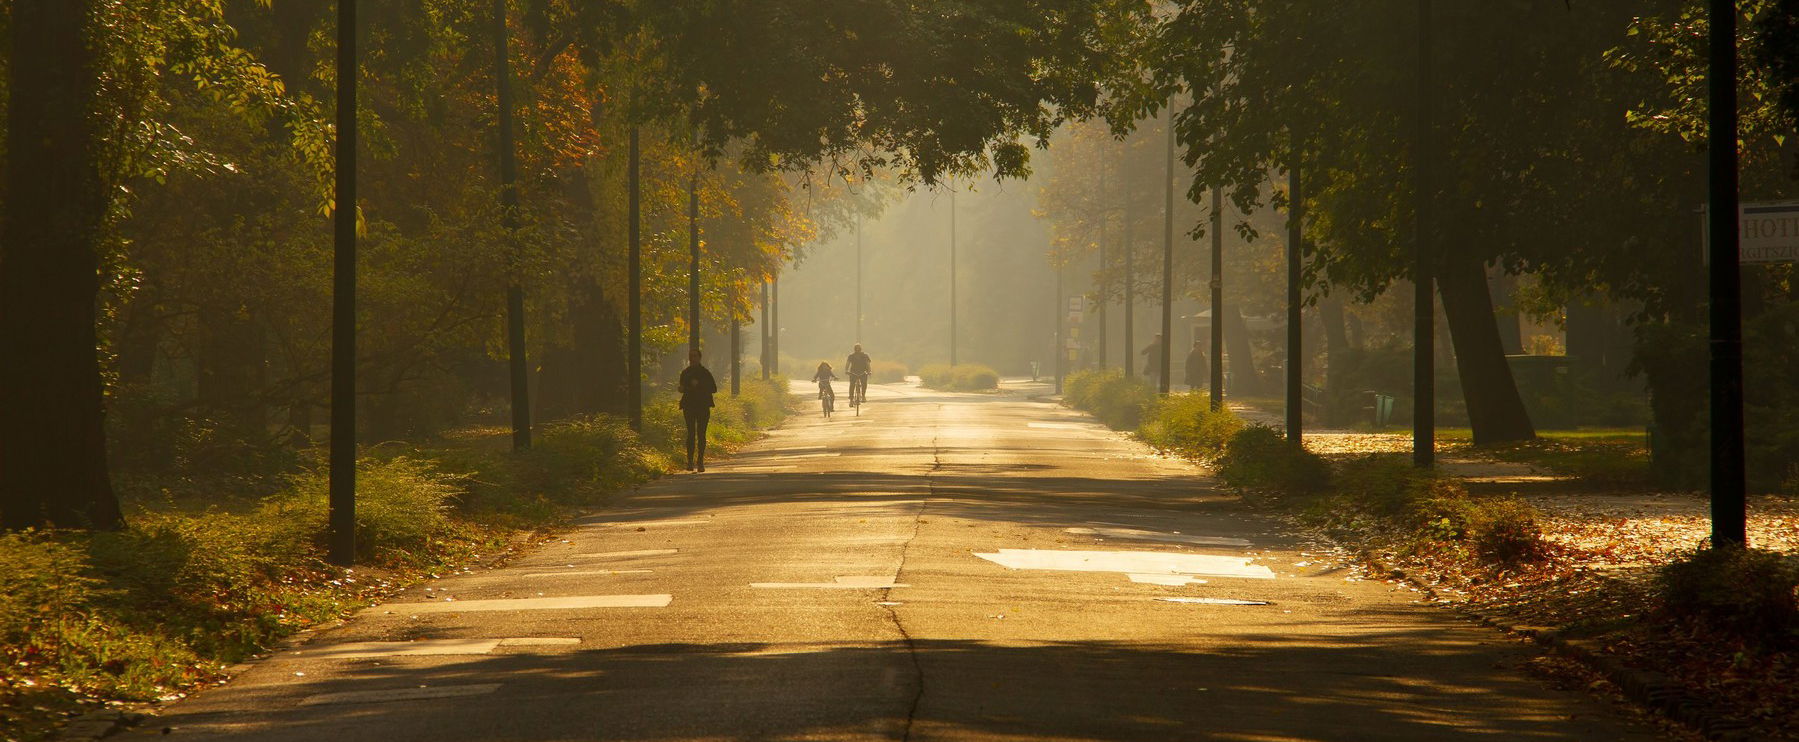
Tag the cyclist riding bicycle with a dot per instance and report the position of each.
(824, 376)
(858, 366)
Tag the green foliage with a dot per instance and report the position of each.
(1429, 511)
(402, 505)
(966, 377)
(577, 461)
(1748, 594)
(1187, 425)
(1261, 458)
(1116, 399)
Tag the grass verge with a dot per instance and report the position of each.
(965, 377)
(159, 609)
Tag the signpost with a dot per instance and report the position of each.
(1767, 232)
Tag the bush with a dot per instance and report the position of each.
(887, 372)
(402, 504)
(967, 377)
(575, 461)
(1186, 424)
(1261, 458)
(1745, 593)
(1114, 398)
(1436, 510)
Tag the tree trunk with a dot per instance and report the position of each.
(1494, 409)
(52, 431)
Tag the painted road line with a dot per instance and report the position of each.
(527, 604)
(754, 468)
(539, 641)
(650, 523)
(625, 554)
(588, 573)
(401, 694)
(1129, 562)
(421, 648)
(1062, 426)
(1136, 534)
(870, 582)
(1170, 580)
(1214, 601)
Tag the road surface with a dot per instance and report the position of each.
(942, 567)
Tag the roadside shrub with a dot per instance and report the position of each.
(1187, 425)
(887, 372)
(1261, 458)
(402, 504)
(577, 460)
(1114, 398)
(967, 377)
(1748, 594)
(1506, 531)
(40, 578)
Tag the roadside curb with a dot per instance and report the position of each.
(1649, 689)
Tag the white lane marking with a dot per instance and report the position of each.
(858, 582)
(588, 573)
(425, 647)
(778, 467)
(1170, 580)
(401, 694)
(1062, 426)
(1129, 562)
(626, 554)
(528, 604)
(539, 641)
(1142, 535)
(1214, 601)
(651, 523)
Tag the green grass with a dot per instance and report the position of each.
(203, 580)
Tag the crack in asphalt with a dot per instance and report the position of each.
(892, 613)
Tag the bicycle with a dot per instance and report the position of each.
(827, 398)
(858, 391)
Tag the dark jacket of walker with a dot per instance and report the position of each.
(697, 388)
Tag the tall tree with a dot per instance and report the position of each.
(53, 467)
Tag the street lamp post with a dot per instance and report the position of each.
(1163, 363)
(634, 287)
(1424, 382)
(1295, 340)
(952, 275)
(517, 365)
(1217, 375)
(1729, 510)
(342, 468)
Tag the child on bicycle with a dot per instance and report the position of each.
(824, 377)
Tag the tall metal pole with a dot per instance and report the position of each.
(634, 290)
(515, 294)
(774, 324)
(1295, 340)
(858, 278)
(693, 262)
(1729, 510)
(1061, 315)
(736, 354)
(952, 275)
(762, 339)
(1424, 382)
(1130, 279)
(1162, 363)
(1105, 265)
(1217, 376)
(342, 475)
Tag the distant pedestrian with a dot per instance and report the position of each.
(697, 388)
(1198, 371)
(1152, 358)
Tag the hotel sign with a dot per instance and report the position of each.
(1767, 233)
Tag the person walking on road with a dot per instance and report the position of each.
(1197, 369)
(1152, 358)
(697, 388)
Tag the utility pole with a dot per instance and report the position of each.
(762, 333)
(515, 294)
(1105, 298)
(1729, 508)
(736, 352)
(952, 274)
(858, 278)
(774, 325)
(1217, 380)
(634, 289)
(1130, 279)
(342, 475)
(1295, 339)
(1061, 325)
(693, 261)
(1424, 382)
(1163, 363)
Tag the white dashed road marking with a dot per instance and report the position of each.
(1134, 534)
(528, 604)
(627, 554)
(843, 583)
(1171, 580)
(588, 573)
(1129, 562)
(361, 650)
(1215, 601)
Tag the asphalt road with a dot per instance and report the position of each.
(942, 567)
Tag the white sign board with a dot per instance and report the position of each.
(1767, 232)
